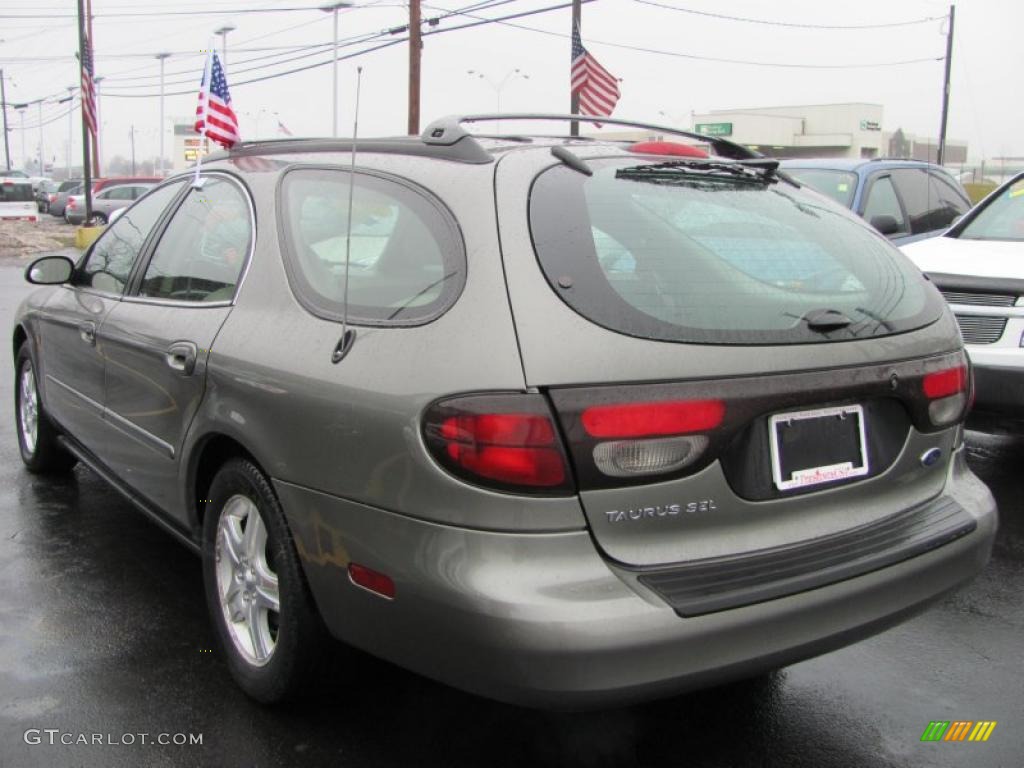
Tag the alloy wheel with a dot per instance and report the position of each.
(246, 582)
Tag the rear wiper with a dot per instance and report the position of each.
(753, 171)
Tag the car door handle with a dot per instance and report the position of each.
(181, 356)
(87, 330)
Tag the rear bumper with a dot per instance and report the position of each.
(544, 620)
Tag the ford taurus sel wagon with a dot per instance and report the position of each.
(559, 421)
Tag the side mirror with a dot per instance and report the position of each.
(50, 270)
(885, 224)
(115, 215)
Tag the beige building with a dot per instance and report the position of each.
(853, 130)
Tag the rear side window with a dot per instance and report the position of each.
(929, 206)
(406, 263)
(683, 255)
(111, 259)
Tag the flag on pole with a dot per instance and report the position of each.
(88, 87)
(598, 89)
(281, 129)
(214, 117)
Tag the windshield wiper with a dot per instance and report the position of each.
(754, 171)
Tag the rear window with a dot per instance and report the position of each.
(16, 193)
(406, 264)
(839, 185)
(684, 255)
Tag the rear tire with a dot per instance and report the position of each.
(99, 219)
(37, 437)
(261, 607)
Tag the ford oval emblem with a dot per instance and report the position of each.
(930, 457)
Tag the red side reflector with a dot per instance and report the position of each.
(372, 580)
(667, 148)
(652, 419)
(944, 383)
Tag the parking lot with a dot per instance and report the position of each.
(104, 631)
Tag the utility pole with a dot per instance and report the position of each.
(3, 100)
(162, 57)
(941, 155)
(131, 134)
(574, 97)
(99, 118)
(415, 47)
(86, 177)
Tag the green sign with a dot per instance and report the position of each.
(714, 129)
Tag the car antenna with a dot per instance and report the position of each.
(348, 335)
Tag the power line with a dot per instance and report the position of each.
(768, 22)
(717, 60)
(388, 44)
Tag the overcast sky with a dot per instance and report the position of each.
(659, 84)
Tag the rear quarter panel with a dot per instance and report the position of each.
(352, 429)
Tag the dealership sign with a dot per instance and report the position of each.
(714, 129)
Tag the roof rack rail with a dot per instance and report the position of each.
(448, 131)
(470, 152)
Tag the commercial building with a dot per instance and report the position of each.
(188, 146)
(853, 130)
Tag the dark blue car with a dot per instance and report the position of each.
(905, 200)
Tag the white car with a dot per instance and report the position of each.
(978, 264)
(17, 201)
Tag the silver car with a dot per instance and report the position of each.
(105, 202)
(559, 421)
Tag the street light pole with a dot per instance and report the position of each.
(69, 99)
(3, 101)
(160, 163)
(223, 32)
(21, 111)
(333, 9)
(498, 86)
(42, 158)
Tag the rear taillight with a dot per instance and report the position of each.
(506, 442)
(947, 391)
(71, 204)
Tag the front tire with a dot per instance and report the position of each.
(37, 437)
(257, 595)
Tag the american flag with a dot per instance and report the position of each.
(282, 129)
(88, 88)
(214, 117)
(597, 87)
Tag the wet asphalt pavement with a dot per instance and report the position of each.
(103, 630)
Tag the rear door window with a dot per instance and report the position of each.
(405, 260)
(203, 249)
(682, 254)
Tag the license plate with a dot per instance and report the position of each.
(818, 446)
